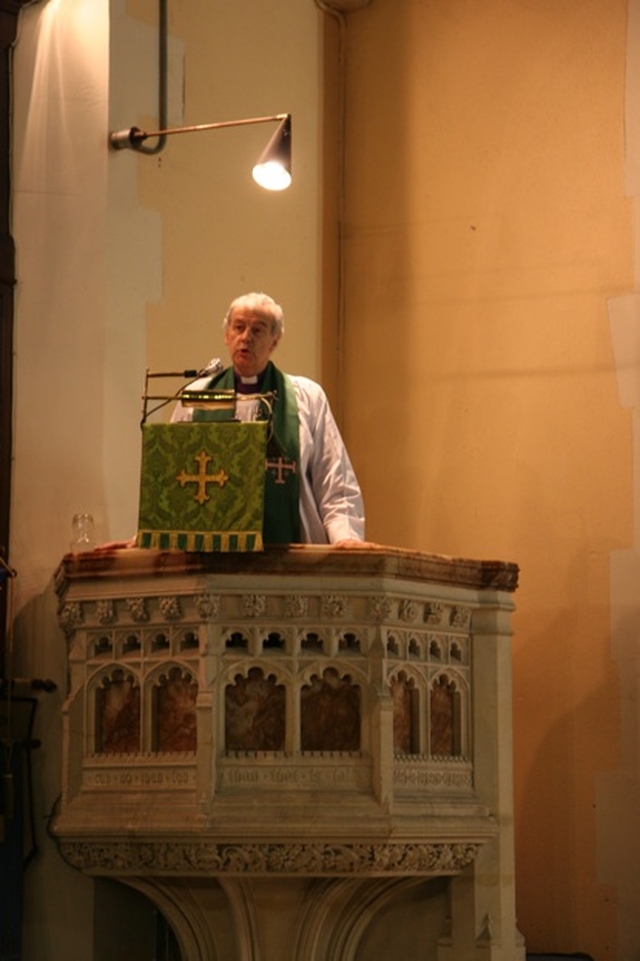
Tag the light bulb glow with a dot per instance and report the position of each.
(271, 175)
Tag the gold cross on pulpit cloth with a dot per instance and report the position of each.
(202, 478)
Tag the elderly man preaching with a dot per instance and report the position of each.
(312, 494)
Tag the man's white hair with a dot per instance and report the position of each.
(263, 305)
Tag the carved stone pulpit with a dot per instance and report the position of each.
(301, 753)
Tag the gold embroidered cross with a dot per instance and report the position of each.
(202, 478)
(280, 465)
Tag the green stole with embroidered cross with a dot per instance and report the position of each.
(282, 478)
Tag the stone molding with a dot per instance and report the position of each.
(317, 859)
(315, 560)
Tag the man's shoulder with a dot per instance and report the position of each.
(309, 395)
(305, 384)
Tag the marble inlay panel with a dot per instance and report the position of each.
(330, 714)
(402, 717)
(175, 720)
(254, 713)
(442, 719)
(118, 715)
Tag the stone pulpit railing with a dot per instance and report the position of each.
(298, 754)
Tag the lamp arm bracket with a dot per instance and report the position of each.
(134, 137)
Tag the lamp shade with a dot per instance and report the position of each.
(273, 170)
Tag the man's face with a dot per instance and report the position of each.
(250, 340)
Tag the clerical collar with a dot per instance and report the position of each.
(249, 385)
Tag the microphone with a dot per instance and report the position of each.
(214, 366)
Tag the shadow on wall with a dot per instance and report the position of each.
(577, 956)
(51, 902)
(42, 882)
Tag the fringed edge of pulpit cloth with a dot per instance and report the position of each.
(200, 542)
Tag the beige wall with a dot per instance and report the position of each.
(486, 233)
(221, 234)
(113, 277)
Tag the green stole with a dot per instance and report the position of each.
(282, 465)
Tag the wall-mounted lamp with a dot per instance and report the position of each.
(273, 170)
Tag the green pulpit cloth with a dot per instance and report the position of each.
(202, 486)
